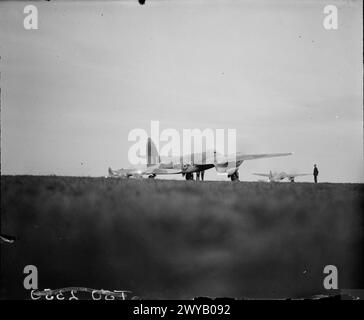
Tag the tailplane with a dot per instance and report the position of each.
(111, 173)
(152, 153)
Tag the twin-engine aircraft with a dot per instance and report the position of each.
(195, 163)
(279, 176)
(126, 173)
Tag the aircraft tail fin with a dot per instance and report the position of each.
(153, 157)
(270, 174)
(110, 172)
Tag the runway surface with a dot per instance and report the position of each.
(179, 239)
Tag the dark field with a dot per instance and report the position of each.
(180, 239)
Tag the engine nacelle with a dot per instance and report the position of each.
(188, 168)
(231, 171)
(220, 169)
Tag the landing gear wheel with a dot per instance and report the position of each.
(189, 176)
(235, 176)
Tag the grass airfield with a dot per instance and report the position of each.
(180, 239)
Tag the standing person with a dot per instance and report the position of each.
(315, 172)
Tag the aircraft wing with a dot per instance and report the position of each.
(239, 157)
(205, 166)
(261, 174)
(244, 157)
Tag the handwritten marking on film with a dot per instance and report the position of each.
(69, 293)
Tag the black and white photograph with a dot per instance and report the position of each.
(181, 150)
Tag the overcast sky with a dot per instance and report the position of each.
(72, 90)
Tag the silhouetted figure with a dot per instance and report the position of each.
(200, 174)
(315, 172)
